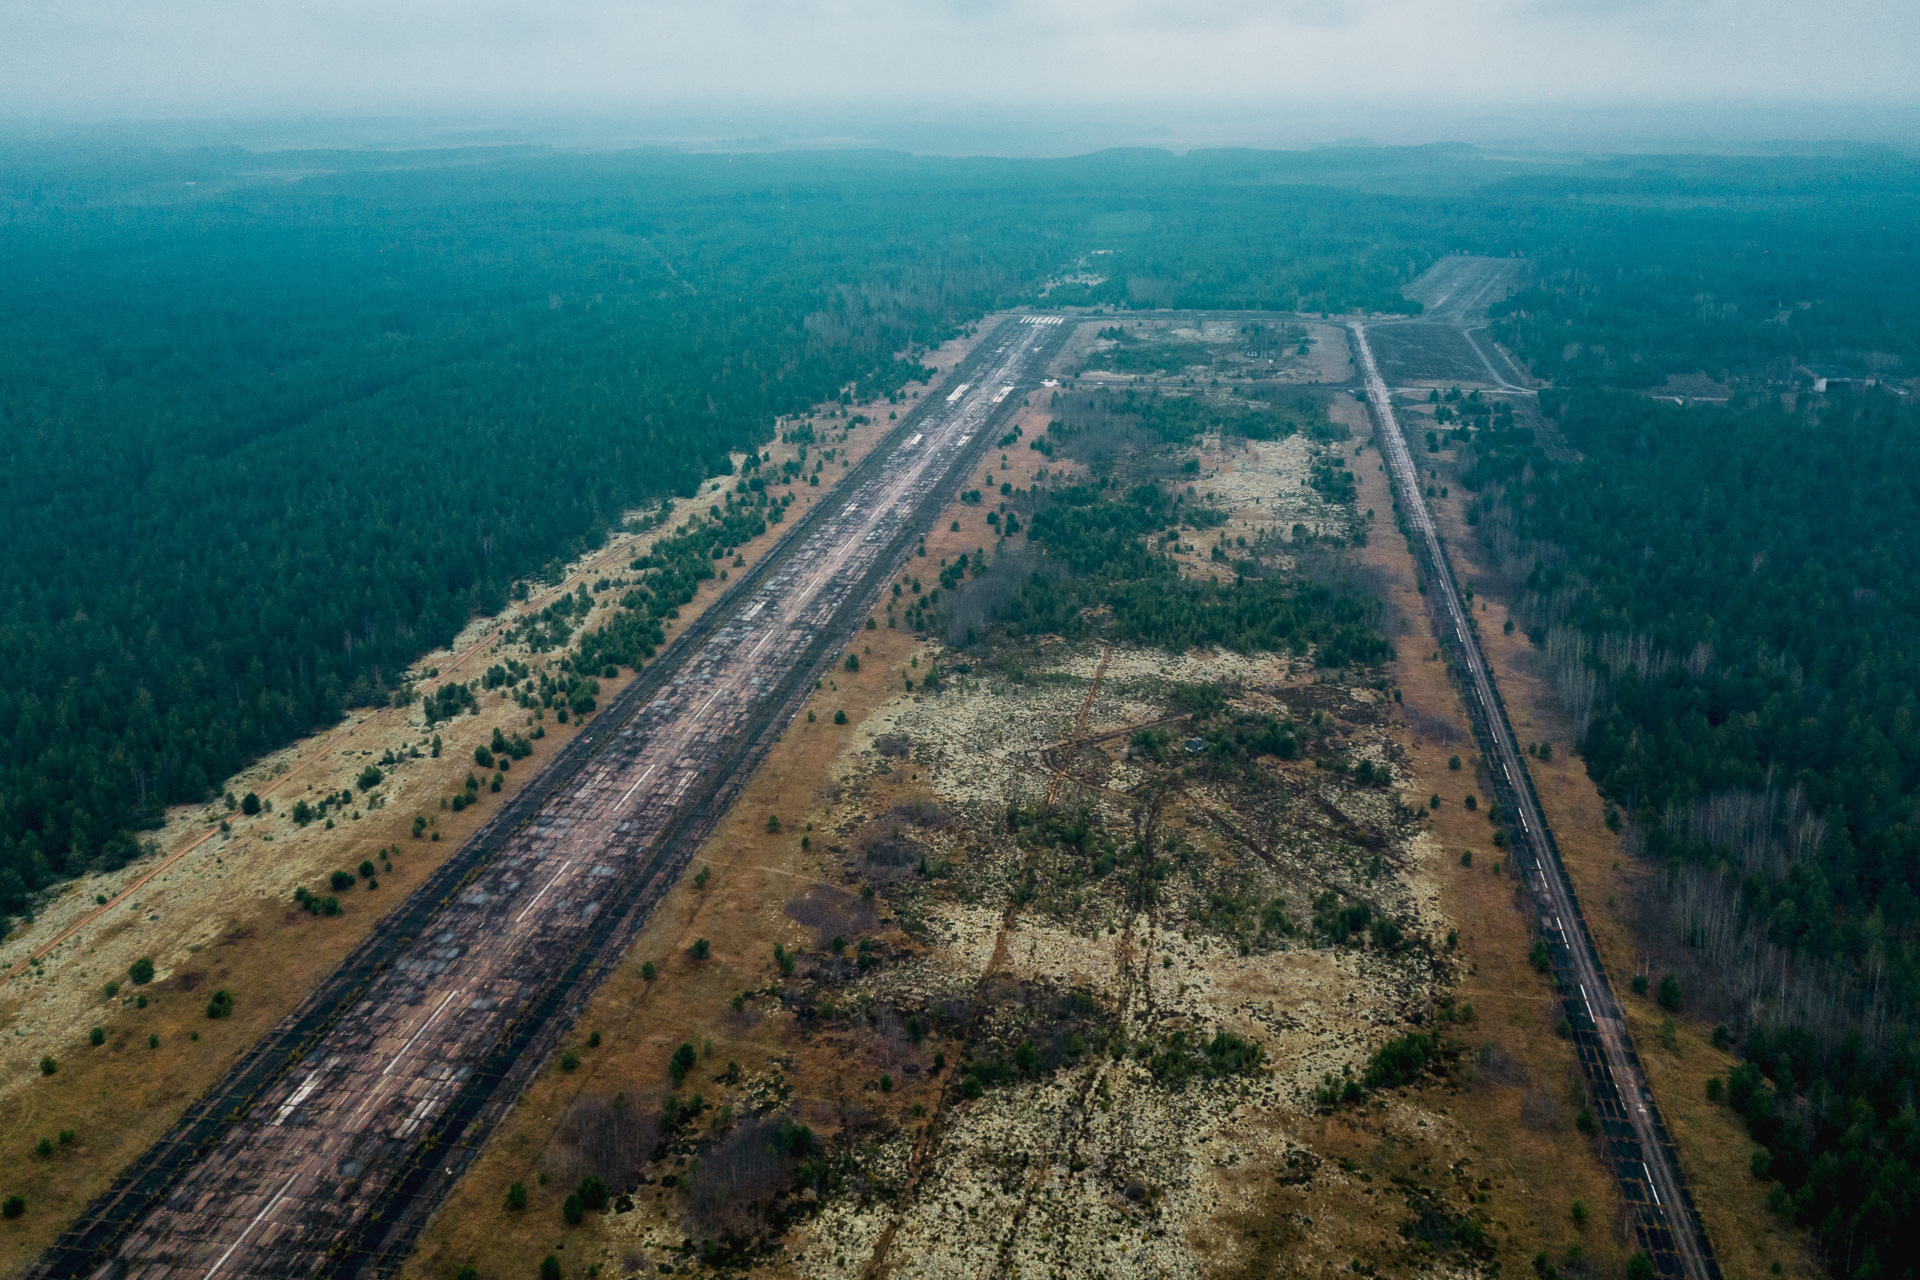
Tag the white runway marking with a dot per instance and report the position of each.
(299, 1096)
(636, 786)
(241, 1239)
(431, 1019)
(543, 893)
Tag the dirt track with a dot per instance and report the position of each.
(324, 1149)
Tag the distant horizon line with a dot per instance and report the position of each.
(1730, 125)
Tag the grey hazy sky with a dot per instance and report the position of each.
(116, 58)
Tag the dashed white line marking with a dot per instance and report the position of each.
(299, 1096)
(543, 893)
(431, 1019)
(241, 1238)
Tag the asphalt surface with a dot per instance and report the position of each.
(325, 1149)
(1665, 1220)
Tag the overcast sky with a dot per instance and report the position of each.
(95, 59)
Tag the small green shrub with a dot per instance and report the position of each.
(141, 971)
(97, 1036)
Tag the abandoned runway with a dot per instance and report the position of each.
(325, 1148)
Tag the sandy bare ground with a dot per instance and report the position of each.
(1093, 1167)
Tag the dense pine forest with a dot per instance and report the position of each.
(1646, 267)
(1724, 597)
(264, 450)
(275, 426)
(1727, 597)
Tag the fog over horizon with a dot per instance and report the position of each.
(961, 76)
